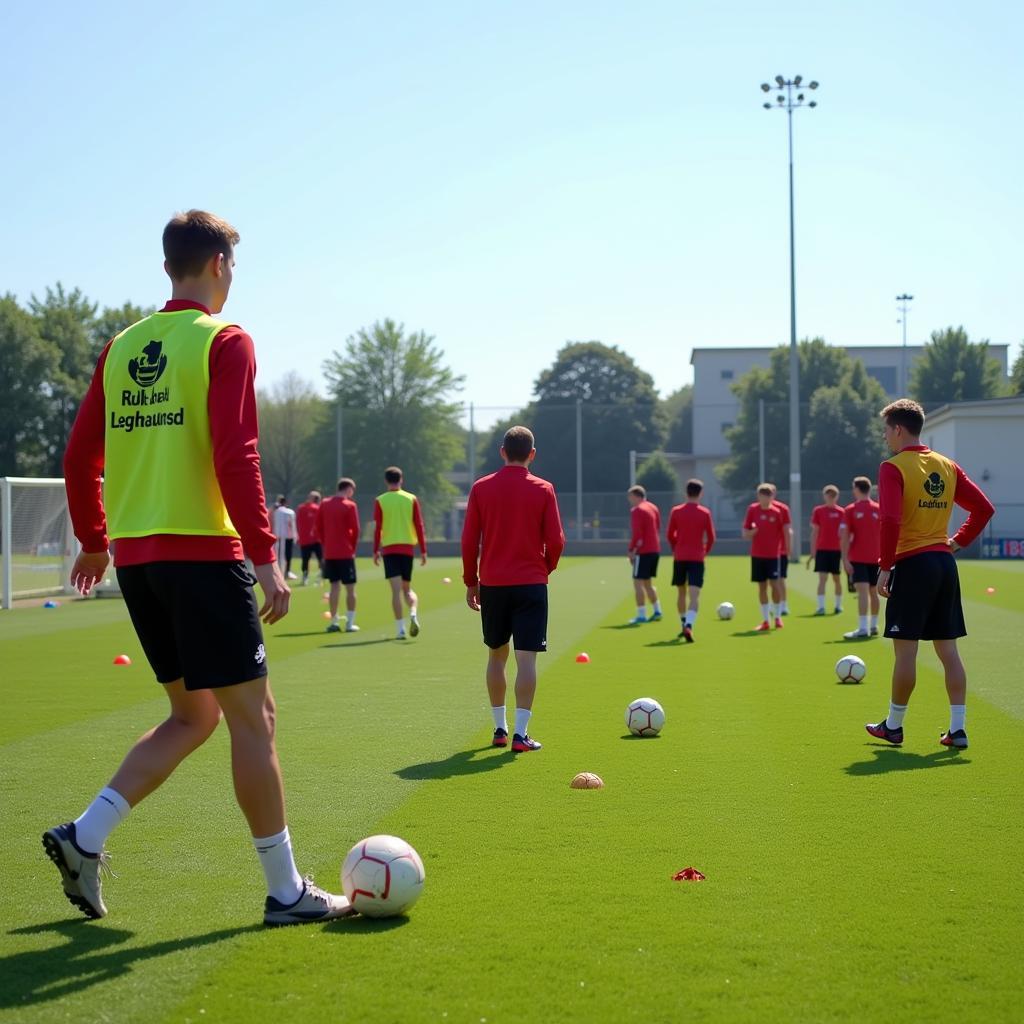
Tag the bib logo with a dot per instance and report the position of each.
(148, 368)
(934, 486)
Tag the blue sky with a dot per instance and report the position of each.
(508, 176)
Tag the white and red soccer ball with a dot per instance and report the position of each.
(645, 717)
(382, 876)
(851, 669)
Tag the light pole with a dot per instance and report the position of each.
(904, 380)
(790, 98)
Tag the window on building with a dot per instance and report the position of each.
(727, 375)
(887, 376)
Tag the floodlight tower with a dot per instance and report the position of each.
(903, 308)
(790, 98)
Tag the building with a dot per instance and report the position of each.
(715, 406)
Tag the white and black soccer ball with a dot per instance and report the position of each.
(851, 669)
(726, 610)
(645, 717)
(382, 876)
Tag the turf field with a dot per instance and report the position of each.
(846, 881)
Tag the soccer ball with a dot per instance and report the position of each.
(851, 669)
(645, 717)
(382, 876)
(726, 610)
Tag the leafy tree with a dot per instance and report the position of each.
(27, 365)
(657, 476)
(396, 392)
(289, 414)
(620, 411)
(112, 321)
(678, 412)
(952, 368)
(1017, 373)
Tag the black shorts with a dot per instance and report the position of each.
(687, 572)
(340, 570)
(924, 599)
(827, 561)
(762, 569)
(309, 551)
(865, 572)
(645, 567)
(196, 620)
(519, 613)
(398, 565)
(783, 566)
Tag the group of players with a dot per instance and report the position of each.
(177, 493)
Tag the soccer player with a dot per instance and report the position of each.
(284, 530)
(644, 551)
(785, 550)
(338, 525)
(691, 535)
(764, 527)
(309, 540)
(860, 550)
(398, 527)
(163, 459)
(916, 492)
(511, 542)
(826, 549)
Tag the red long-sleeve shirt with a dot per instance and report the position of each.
(338, 527)
(968, 495)
(305, 522)
(645, 520)
(512, 534)
(231, 405)
(399, 549)
(691, 532)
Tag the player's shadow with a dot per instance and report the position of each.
(746, 634)
(360, 925)
(633, 736)
(87, 958)
(889, 759)
(462, 762)
(668, 643)
(361, 643)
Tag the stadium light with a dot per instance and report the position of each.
(790, 102)
(903, 307)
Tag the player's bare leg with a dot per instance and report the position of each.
(904, 679)
(690, 618)
(334, 626)
(956, 688)
(652, 596)
(413, 602)
(862, 614)
(778, 589)
(640, 600)
(496, 691)
(762, 600)
(526, 689)
(350, 608)
(395, 582)
(838, 587)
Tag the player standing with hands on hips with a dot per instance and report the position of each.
(644, 551)
(398, 527)
(917, 489)
(163, 460)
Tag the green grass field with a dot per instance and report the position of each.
(846, 881)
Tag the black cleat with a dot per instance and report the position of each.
(500, 738)
(881, 731)
(956, 739)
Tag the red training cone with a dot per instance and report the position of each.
(122, 659)
(582, 658)
(688, 875)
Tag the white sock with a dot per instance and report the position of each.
(400, 626)
(957, 714)
(522, 720)
(821, 602)
(784, 607)
(284, 882)
(500, 718)
(894, 720)
(874, 622)
(335, 619)
(412, 615)
(691, 617)
(657, 607)
(766, 612)
(839, 603)
(863, 623)
(641, 611)
(99, 819)
(350, 618)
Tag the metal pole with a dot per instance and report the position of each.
(579, 469)
(632, 466)
(904, 370)
(338, 439)
(472, 446)
(760, 440)
(794, 365)
(6, 538)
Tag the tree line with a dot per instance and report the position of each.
(400, 404)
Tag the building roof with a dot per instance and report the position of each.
(1013, 405)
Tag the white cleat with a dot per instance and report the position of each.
(313, 905)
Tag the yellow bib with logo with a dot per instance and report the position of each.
(159, 475)
(397, 525)
(929, 483)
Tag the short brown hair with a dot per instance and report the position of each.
(862, 484)
(393, 475)
(518, 443)
(192, 239)
(765, 489)
(830, 489)
(346, 481)
(694, 488)
(637, 491)
(905, 413)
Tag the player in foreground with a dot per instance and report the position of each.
(338, 524)
(916, 492)
(309, 540)
(860, 544)
(173, 402)
(511, 542)
(785, 550)
(644, 551)
(764, 527)
(398, 527)
(691, 535)
(826, 549)
(284, 530)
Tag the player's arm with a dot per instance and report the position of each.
(554, 536)
(814, 542)
(636, 531)
(749, 526)
(980, 510)
(844, 542)
(890, 512)
(421, 537)
(354, 527)
(672, 532)
(709, 535)
(378, 523)
(83, 481)
(472, 533)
